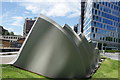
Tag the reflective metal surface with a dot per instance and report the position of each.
(56, 52)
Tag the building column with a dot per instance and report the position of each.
(97, 45)
(102, 47)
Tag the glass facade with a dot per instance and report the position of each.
(102, 23)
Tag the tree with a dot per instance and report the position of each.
(6, 33)
(12, 33)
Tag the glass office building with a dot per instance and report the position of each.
(102, 24)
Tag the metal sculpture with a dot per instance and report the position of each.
(89, 53)
(56, 52)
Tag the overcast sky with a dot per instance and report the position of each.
(14, 12)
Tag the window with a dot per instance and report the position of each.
(103, 14)
(93, 17)
(107, 21)
(96, 30)
(113, 34)
(92, 10)
(93, 35)
(87, 26)
(103, 38)
(105, 3)
(111, 5)
(94, 23)
(94, 5)
(96, 17)
(111, 39)
(97, 6)
(99, 19)
(115, 7)
(92, 29)
(101, 8)
(119, 41)
(87, 31)
(108, 4)
(95, 11)
(99, 13)
(114, 39)
(100, 25)
(105, 26)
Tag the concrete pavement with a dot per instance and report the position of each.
(7, 59)
(114, 56)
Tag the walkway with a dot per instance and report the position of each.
(114, 56)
